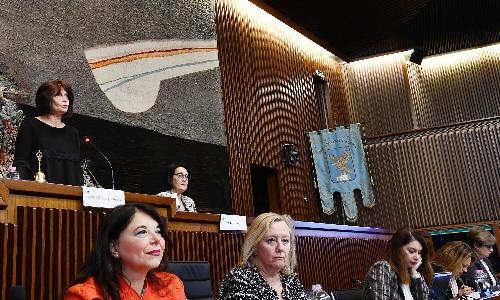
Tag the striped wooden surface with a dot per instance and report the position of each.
(47, 247)
(269, 100)
(436, 177)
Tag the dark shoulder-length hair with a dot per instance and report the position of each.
(396, 258)
(170, 172)
(47, 90)
(101, 265)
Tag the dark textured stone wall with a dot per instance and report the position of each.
(44, 40)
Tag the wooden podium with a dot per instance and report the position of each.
(16, 193)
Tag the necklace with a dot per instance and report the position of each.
(50, 122)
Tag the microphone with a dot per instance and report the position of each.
(17, 293)
(87, 140)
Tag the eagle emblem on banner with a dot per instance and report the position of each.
(340, 165)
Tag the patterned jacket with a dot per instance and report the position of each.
(382, 283)
(468, 277)
(245, 283)
(188, 202)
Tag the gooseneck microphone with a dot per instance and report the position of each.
(87, 140)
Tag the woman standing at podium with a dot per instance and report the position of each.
(57, 144)
(127, 259)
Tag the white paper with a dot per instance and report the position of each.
(233, 222)
(105, 198)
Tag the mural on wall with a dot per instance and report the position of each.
(130, 74)
(151, 64)
(146, 69)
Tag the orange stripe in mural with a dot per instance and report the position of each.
(147, 54)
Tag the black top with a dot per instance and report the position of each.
(60, 149)
(469, 276)
(245, 283)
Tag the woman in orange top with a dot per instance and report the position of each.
(126, 259)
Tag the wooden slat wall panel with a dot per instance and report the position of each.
(436, 177)
(335, 262)
(268, 97)
(460, 88)
(378, 95)
(8, 254)
(53, 244)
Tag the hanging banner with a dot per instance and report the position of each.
(339, 160)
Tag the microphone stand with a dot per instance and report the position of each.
(109, 163)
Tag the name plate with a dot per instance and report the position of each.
(233, 222)
(105, 198)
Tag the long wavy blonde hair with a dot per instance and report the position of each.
(451, 256)
(256, 233)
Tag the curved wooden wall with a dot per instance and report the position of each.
(436, 177)
(378, 95)
(456, 88)
(268, 96)
(269, 100)
(47, 247)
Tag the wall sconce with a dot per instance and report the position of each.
(290, 155)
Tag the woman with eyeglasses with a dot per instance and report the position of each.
(177, 183)
(482, 242)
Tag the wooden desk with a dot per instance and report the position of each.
(46, 235)
(16, 193)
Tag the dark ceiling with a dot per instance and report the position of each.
(353, 29)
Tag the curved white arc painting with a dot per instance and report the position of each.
(130, 74)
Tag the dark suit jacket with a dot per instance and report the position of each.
(468, 277)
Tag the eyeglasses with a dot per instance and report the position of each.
(488, 246)
(182, 176)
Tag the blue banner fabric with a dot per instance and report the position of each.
(339, 160)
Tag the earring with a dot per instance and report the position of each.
(116, 255)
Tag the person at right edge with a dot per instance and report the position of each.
(482, 242)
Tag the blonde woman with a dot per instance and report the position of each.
(454, 257)
(268, 259)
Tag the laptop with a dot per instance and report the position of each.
(440, 285)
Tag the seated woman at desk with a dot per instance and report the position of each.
(406, 272)
(177, 183)
(58, 144)
(454, 257)
(482, 242)
(268, 259)
(127, 259)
